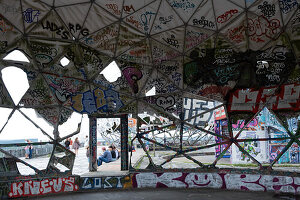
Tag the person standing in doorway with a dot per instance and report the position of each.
(76, 145)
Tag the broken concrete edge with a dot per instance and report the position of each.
(228, 179)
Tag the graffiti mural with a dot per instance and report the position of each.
(250, 100)
(275, 151)
(46, 186)
(193, 107)
(257, 149)
(98, 99)
(249, 182)
(116, 182)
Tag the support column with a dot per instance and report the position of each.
(93, 144)
(124, 142)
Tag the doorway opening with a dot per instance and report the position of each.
(107, 132)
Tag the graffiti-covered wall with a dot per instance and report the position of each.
(221, 180)
(30, 186)
(225, 179)
(257, 149)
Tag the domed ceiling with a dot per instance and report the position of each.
(240, 53)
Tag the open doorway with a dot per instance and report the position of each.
(106, 131)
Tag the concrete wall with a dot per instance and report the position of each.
(28, 186)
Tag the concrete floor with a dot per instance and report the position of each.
(170, 194)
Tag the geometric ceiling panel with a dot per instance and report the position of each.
(185, 9)
(293, 31)
(241, 3)
(173, 70)
(162, 52)
(166, 18)
(128, 38)
(9, 35)
(204, 17)
(169, 104)
(114, 7)
(131, 6)
(139, 53)
(11, 14)
(86, 62)
(39, 93)
(172, 38)
(73, 21)
(96, 12)
(5, 98)
(33, 12)
(104, 40)
(262, 29)
(235, 32)
(142, 19)
(47, 52)
(225, 13)
(288, 9)
(51, 27)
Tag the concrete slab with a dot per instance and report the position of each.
(167, 194)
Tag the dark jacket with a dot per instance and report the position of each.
(67, 143)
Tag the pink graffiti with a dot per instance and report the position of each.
(254, 182)
(132, 75)
(279, 186)
(46, 186)
(263, 27)
(240, 124)
(224, 180)
(227, 16)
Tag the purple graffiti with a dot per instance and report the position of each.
(132, 76)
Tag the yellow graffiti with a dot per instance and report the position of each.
(100, 100)
(77, 102)
(128, 182)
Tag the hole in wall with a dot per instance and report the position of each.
(112, 72)
(16, 55)
(16, 82)
(64, 61)
(151, 92)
